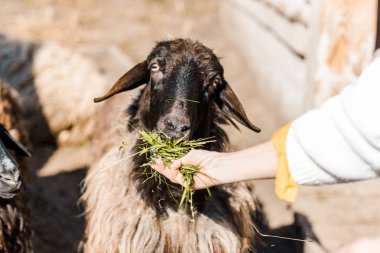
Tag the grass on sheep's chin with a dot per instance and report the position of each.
(155, 146)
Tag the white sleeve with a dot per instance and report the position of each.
(340, 141)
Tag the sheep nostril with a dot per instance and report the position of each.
(170, 124)
(10, 177)
(185, 128)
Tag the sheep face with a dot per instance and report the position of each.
(183, 78)
(10, 181)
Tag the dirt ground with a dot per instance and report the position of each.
(134, 26)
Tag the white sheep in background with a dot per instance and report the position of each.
(56, 87)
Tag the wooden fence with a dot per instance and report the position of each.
(303, 51)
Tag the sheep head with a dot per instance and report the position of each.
(10, 181)
(183, 78)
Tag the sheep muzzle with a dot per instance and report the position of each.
(10, 181)
(175, 125)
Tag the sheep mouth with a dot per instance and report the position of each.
(7, 192)
(175, 136)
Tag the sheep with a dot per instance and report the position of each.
(50, 79)
(15, 233)
(125, 211)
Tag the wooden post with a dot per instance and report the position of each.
(345, 34)
(378, 26)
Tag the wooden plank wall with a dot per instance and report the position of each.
(303, 51)
(378, 26)
(345, 37)
(274, 38)
(289, 23)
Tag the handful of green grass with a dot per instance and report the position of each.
(155, 146)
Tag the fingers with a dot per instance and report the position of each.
(176, 165)
(177, 175)
(172, 174)
(198, 158)
(159, 166)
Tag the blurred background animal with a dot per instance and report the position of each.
(15, 232)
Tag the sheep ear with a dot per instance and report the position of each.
(228, 102)
(135, 77)
(11, 143)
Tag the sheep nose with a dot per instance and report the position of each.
(9, 169)
(10, 180)
(173, 124)
(10, 177)
(176, 127)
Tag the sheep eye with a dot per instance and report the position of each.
(154, 67)
(216, 82)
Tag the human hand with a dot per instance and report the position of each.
(208, 163)
(367, 245)
(257, 162)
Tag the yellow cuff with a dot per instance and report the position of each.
(285, 186)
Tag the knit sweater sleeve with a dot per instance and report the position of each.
(340, 141)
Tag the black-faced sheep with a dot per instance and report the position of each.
(15, 234)
(125, 212)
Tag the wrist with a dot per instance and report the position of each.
(257, 162)
(226, 167)
(217, 167)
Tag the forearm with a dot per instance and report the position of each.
(257, 162)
